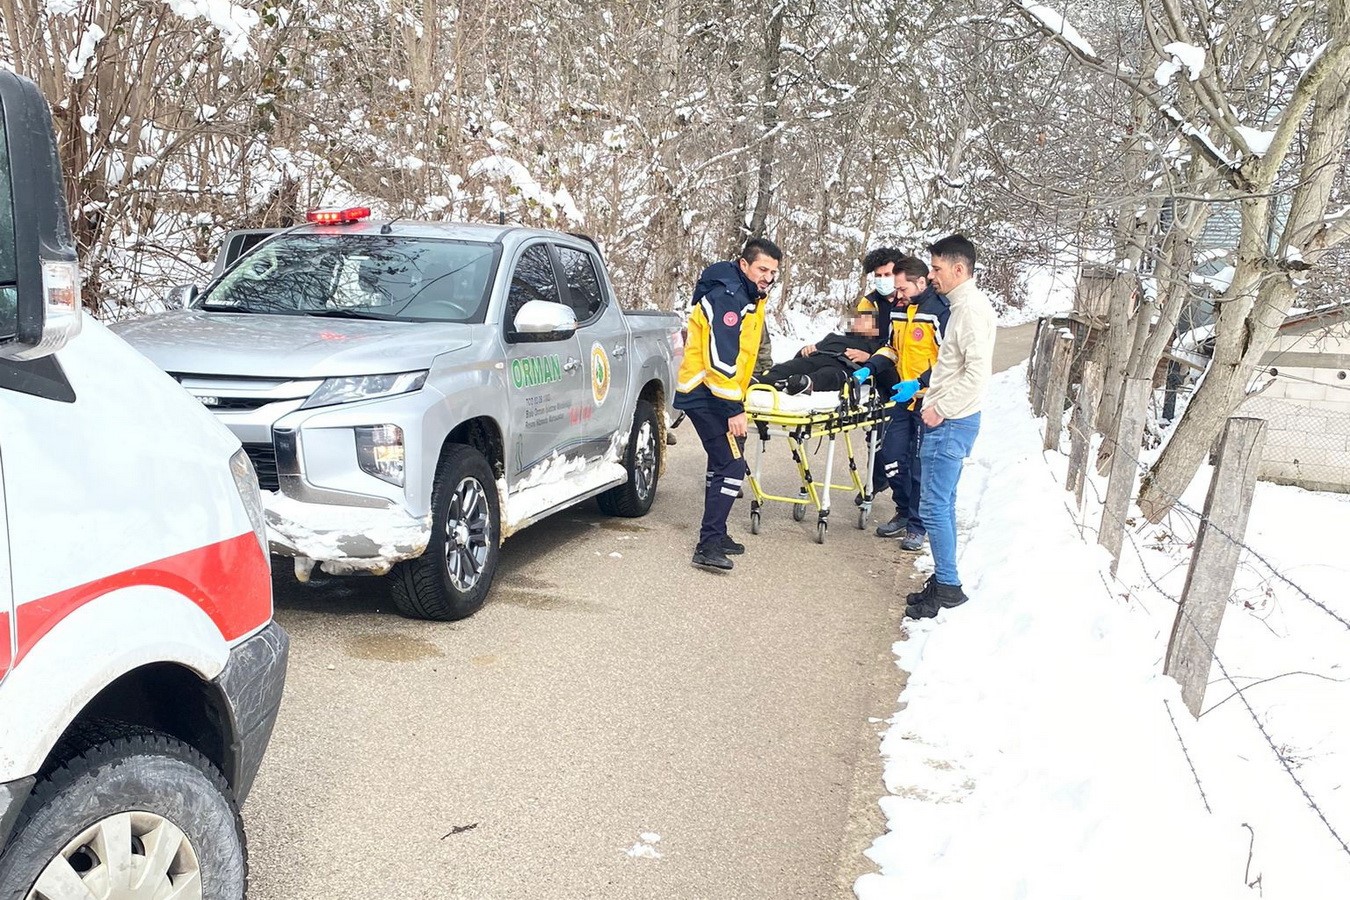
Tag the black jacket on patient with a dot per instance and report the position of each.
(828, 368)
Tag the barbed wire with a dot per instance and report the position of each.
(1238, 690)
(1186, 753)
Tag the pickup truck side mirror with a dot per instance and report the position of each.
(539, 320)
(181, 296)
(39, 272)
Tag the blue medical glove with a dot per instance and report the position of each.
(862, 373)
(905, 391)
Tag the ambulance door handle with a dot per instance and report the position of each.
(620, 351)
(571, 365)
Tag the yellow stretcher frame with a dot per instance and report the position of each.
(858, 409)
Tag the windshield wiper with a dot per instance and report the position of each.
(223, 307)
(344, 314)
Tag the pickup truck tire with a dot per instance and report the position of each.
(642, 459)
(126, 812)
(451, 579)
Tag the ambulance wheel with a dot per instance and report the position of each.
(821, 527)
(754, 522)
(642, 461)
(126, 812)
(799, 509)
(451, 579)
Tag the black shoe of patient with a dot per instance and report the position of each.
(797, 384)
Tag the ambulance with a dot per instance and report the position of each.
(140, 669)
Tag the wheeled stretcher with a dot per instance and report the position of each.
(827, 417)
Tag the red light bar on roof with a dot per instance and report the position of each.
(337, 216)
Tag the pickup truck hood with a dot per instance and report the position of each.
(250, 345)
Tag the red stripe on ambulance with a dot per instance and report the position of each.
(219, 578)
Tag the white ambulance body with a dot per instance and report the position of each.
(140, 669)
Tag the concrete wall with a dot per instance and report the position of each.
(1307, 409)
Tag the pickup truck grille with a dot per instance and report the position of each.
(264, 458)
(234, 404)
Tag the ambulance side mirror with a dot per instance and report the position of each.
(39, 272)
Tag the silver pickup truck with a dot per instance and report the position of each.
(411, 394)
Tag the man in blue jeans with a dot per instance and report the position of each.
(951, 415)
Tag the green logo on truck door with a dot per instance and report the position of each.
(533, 371)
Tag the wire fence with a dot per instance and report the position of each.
(1196, 517)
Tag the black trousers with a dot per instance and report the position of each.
(825, 376)
(726, 473)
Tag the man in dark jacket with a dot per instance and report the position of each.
(719, 362)
(918, 320)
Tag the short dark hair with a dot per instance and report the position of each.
(757, 247)
(955, 246)
(912, 267)
(877, 258)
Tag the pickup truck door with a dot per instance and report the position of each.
(603, 335)
(547, 379)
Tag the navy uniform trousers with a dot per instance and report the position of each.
(725, 476)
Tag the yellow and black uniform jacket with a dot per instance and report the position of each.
(725, 325)
(915, 334)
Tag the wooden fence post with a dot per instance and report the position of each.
(1080, 428)
(1034, 359)
(1190, 650)
(1040, 376)
(1127, 441)
(1056, 387)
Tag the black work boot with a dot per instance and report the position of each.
(712, 557)
(922, 593)
(934, 596)
(948, 596)
(897, 526)
(731, 547)
(797, 384)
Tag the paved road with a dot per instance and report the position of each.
(607, 690)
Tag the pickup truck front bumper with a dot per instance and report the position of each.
(343, 539)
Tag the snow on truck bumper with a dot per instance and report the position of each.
(343, 539)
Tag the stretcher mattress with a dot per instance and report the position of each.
(818, 401)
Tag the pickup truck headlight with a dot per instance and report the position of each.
(365, 387)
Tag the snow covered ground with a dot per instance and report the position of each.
(1035, 754)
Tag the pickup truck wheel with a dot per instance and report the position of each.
(128, 814)
(451, 579)
(642, 459)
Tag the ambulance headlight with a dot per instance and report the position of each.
(246, 481)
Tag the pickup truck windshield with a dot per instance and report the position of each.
(360, 276)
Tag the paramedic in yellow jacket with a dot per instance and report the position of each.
(725, 325)
(918, 320)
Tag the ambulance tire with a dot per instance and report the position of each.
(642, 460)
(451, 579)
(106, 773)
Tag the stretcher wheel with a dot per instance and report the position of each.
(862, 519)
(754, 522)
(799, 509)
(821, 527)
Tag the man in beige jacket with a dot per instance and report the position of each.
(951, 415)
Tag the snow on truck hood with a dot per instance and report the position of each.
(246, 344)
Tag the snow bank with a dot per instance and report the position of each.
(1036, 755)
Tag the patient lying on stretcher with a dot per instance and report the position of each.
(828, 364)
